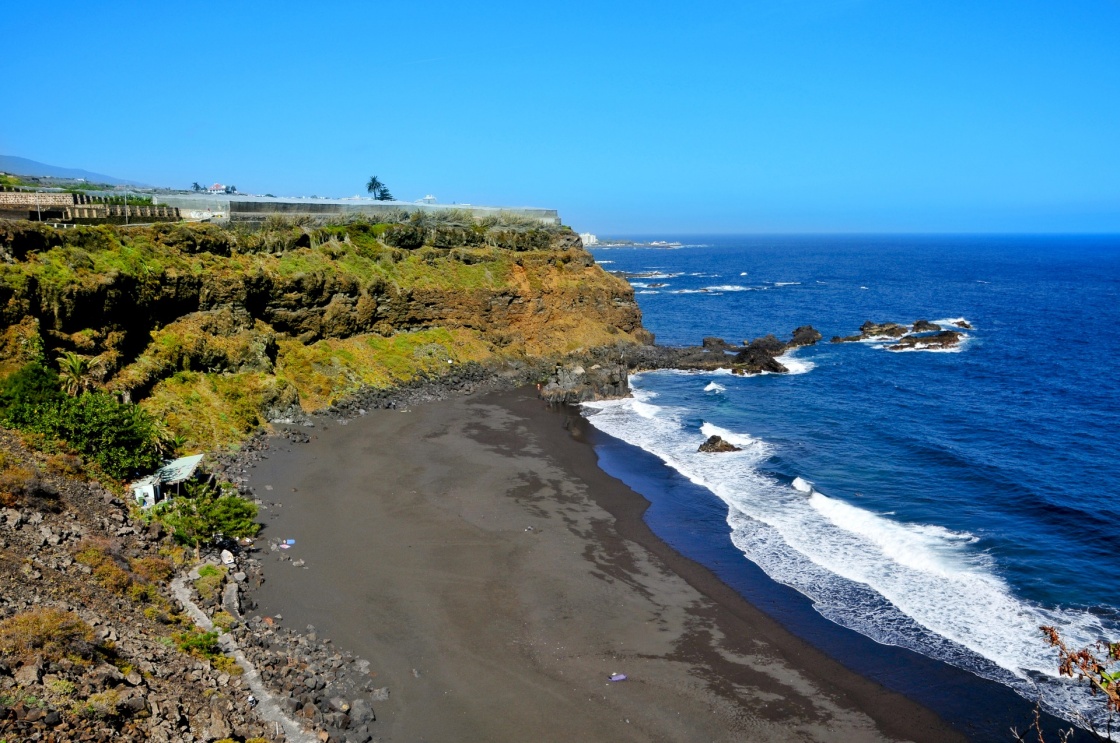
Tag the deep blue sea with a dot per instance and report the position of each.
(944, 502)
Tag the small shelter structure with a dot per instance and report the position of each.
(152, 489)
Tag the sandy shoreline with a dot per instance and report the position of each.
(494, 576)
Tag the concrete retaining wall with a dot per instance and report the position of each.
(257, 208)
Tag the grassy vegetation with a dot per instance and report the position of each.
(212, 330)
(45, 633)
(328, 370)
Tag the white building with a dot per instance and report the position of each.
(149, 490)
(588, 239)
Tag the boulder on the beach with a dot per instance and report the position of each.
(925, 326)
(716, 445)
(806, 335)
(574, 384)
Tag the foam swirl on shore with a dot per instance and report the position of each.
(919, 586)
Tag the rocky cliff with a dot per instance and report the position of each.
(215, 330)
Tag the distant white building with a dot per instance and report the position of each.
(588, 239)
(216, 188)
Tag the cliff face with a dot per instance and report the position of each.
(212, 329)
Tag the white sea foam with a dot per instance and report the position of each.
(802, 486)
(929, 349)
(744, 273)
(713, 387)
(649, 291)
(918, 586)
(863, 287)
(738, 439)
(639, 284)
(787, 283)
(728, 288)
(951, 323)
(602, 263)
(795, 365)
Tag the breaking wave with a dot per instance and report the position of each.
(919, 586)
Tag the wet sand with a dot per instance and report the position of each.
(495, 577)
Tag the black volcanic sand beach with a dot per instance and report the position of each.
(495, 577)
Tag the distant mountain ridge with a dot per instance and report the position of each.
(23, 166)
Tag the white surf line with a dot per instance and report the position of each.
(267, 708)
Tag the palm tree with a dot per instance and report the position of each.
(196, 187)
(76, 372)
(375, 186)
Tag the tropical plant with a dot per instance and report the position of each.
(379, 190)
(76, 372)
(196, 187)
(120, 437)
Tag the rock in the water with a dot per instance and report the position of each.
(716, 445)
(944, 339)
(963, 324)
(756, 359)
(878, 330)
(806, 335)
(925, 326)
(768, 343)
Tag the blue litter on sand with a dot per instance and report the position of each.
(618, 677)
(290, 541)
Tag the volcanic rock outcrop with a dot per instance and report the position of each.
(716, 445)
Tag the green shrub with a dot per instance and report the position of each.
(31, 387)
(46, 633)
(21, 483)
(198, 643)
(210, 579)
(205, 513)
(100, 705)
(120, 437)
(154, 569)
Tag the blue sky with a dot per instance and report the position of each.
(775, 116)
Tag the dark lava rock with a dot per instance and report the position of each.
(963, 324)
(715, 444)
(890, 329)
(925, 326)
(718, 344)
(806, 335)
(755, 360)
(768, 343)
(944, 339)
(574, 383)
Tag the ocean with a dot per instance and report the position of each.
(945, 502)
